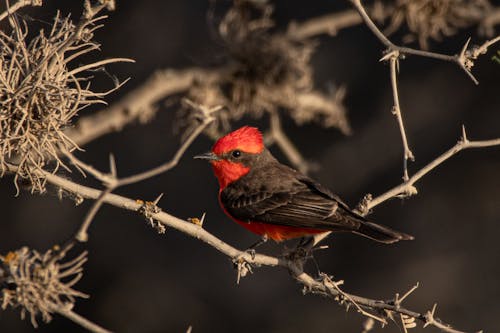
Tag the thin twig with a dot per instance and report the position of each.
(396, 110)
(460, 59)
(407, 187)
(112, 182)
(207, 119)
(82, 321)
(104, 178)
(279, 137)
(82, 234)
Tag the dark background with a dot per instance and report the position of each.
(140, 281)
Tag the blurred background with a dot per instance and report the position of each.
(140, 281)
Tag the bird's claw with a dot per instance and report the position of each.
(251, 252)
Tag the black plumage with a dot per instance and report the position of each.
(276, 194)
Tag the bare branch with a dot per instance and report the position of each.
(487, 25)
(137, 105)
(407, 188)
(207, 118)
(82, 321)
(327, 24)
(18, 5)
(332, 23)
(460, 59)
(112, 182)
(82, 234)
(279, 137)
(396, 110)
(323, 286)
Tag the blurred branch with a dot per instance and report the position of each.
(332, 23)
(294, 263)
(487, 25)
(18, 5)
(279, 137)
(136, 105)
(139, 105)
(82, 321)
(328, 24)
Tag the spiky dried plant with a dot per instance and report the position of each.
(435, 19)
(39, 283)
(267, 71)
(41, 90)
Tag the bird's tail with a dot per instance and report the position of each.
(381, 233)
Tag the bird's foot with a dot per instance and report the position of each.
(301, 251)
(251, 252)
(243, 265)
(251, 249)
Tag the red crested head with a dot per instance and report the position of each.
(247, 139)
(223, 157)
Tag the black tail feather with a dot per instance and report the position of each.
(381, 233)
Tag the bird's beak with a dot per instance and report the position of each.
(207, 156)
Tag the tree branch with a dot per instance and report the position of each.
(279, 137)
(332, 23)
(137, 105)
(82, 321)
(325, 285)
(327, 24)
(18, 5)
(407, 187)
(207, 118)
(396, 110)
(462, 59)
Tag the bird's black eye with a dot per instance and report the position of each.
(236, 153)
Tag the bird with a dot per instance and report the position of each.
(276, 201)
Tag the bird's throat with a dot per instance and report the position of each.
(228, 172)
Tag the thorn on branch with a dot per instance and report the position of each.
(243, 267)
(464, 138)
(468, 55)
(149, 209)
(198, 221)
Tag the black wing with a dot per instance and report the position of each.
(296, 201)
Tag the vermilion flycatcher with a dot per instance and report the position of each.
(276, 201)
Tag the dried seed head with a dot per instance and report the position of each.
(267, 71)
(435, 19)
(38, 284)
(41, 91)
